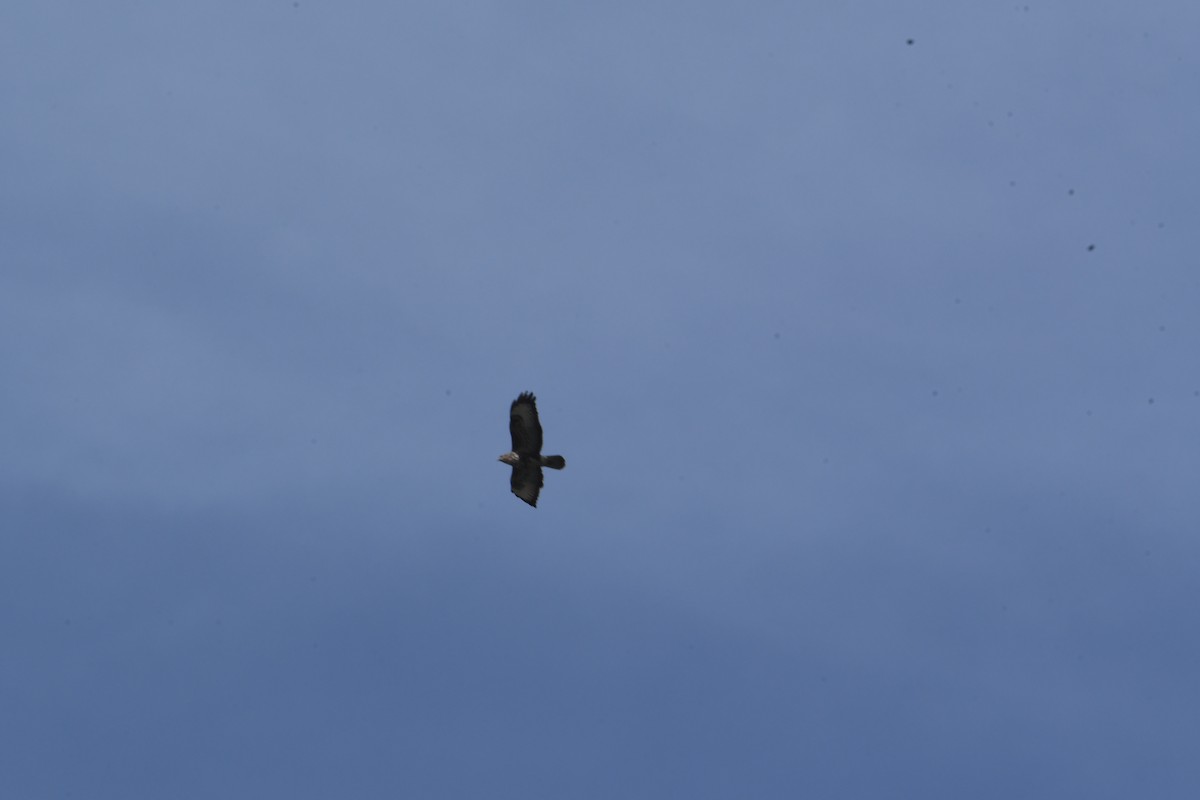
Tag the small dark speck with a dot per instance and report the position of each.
(67, 622)
(1089, 412)
(1162, 328)
(1161, 226)
(1091, 247)
(1070, 191)
(935, 392)
(1012, 183)
(1146, 553)
(909, 42)
(776, 334)
(447, 393)
(1150, 401)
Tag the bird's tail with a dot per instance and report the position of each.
(554, 462)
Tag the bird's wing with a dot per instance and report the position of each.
(527, 482)
(524, 426)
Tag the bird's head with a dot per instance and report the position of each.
(510, 458)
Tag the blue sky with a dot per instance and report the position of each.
(874, 362)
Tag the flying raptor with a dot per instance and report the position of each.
(526, 456)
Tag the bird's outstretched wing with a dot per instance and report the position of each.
(525, 429)
(527, 482)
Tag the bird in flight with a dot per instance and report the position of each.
(526, 456)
